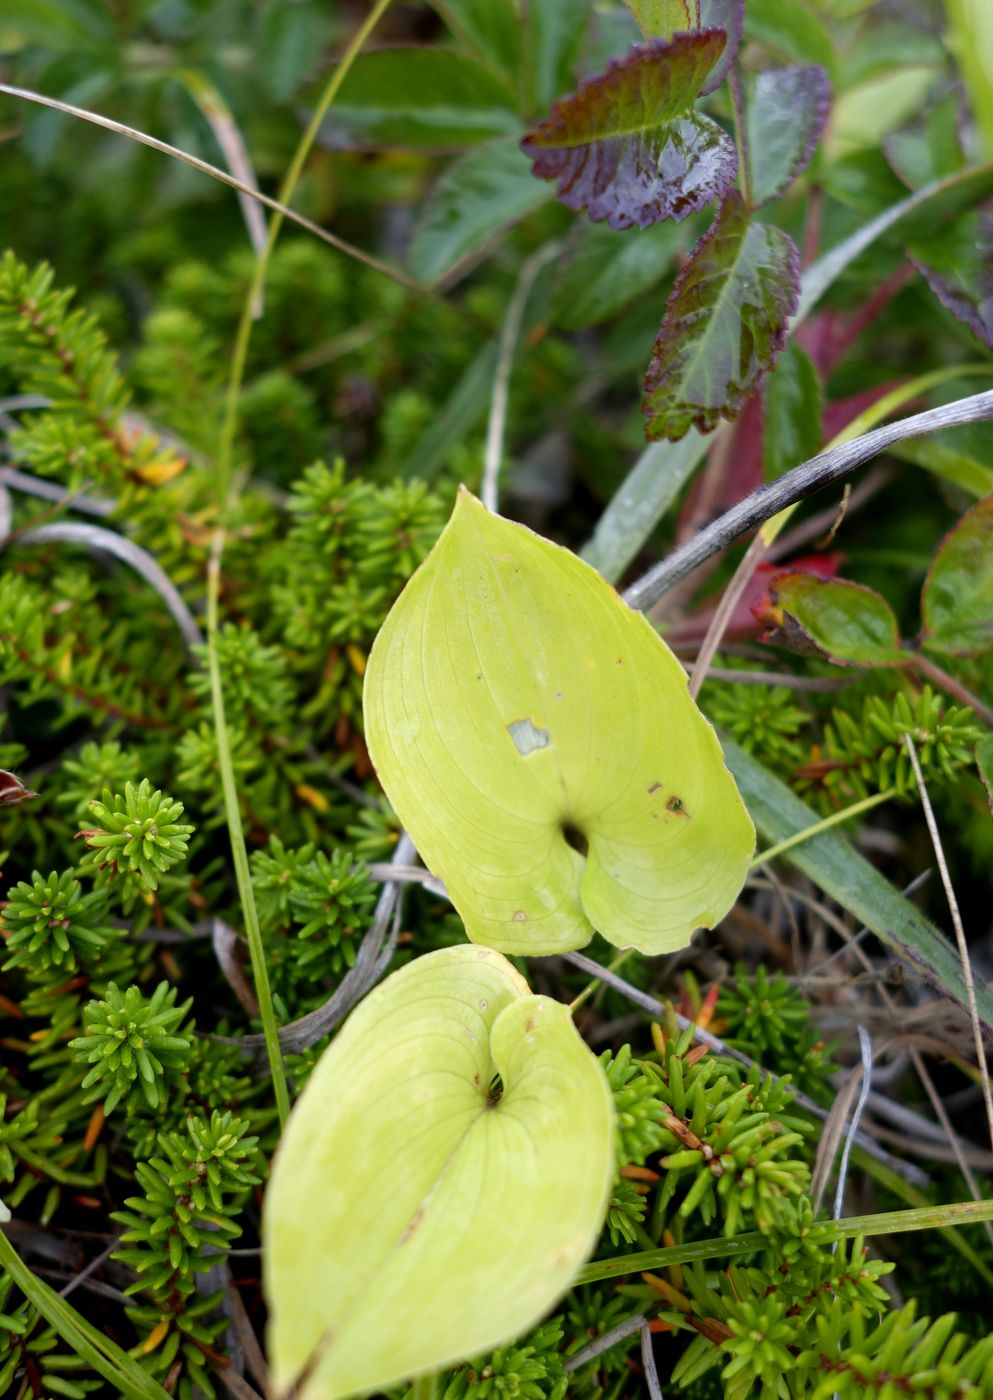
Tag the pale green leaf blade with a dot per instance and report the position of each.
(401, 1177)
(516, 710)
(958, 456)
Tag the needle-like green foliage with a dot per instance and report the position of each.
(129, 1039)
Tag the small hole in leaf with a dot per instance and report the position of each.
(527, 736)
(575, 838)
(495, 1093)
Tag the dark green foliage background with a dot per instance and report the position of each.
(134, 1127)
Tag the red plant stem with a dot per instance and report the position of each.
(880, 298)
(951, 687)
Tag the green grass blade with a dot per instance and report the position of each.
(641, 501)
(838, 869)
(893, 1222)
(115, 1365)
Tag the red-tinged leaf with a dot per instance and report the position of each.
(724, 324)
(627, 146)
(755, 601)
(957, 261)
(12, 790)
(730, 475)
(787, 110)
(838, 414)
(844, 622)
(663, 18)
(957, 599)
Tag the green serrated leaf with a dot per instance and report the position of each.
(417, 97)
(791, 412)
(957, 598)
(845, 622)
(409, 1172)
(492, 27)
(606, 270)
(475, 198)
(555, 30)
(724, 323)
(517, 712)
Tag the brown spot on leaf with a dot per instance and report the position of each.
(675, 804)
(520, 917)
(415, 1221)
(653, 787)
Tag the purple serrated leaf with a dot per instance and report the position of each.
(787, 111)
(724, 324)
(627, 146)
(635, 183)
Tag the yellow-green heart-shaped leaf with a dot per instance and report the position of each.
(537, 739)
(442, 1178)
